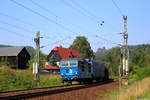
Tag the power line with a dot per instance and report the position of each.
(111, 34)
(109, 41)
(86, 13)
(55, 15)
(18, 34)
(18, 27)
(51, 12)
(119, 10)
(16, 19)
(19, 20)
(45, 17)
(80, 11)
(56, 42)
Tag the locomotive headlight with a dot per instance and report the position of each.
(75, 73)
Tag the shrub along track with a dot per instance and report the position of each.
(75, 92)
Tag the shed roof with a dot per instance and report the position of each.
(10, 51)
(66, 52)
(50, 67)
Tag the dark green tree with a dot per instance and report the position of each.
(42, 61)
(114, 57)
(101, 55)
(139, 58)
(83, 46)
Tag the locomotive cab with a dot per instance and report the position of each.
(69, 70)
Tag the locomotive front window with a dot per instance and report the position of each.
(71, 63)
(64, 64)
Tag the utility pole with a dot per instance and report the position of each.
(36, 64)
(125, 60)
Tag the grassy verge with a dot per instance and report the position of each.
(146, 95)
(50, 80)
(11, 80)
(140, 89)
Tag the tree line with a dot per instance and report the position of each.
(139, 59)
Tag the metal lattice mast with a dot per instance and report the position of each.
(36, 64)
(125, 49)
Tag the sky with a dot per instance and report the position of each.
(60, 21)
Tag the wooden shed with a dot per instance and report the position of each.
(17, 57)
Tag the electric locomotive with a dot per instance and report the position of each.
(81, 70)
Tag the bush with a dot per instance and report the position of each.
(15, 80)
(24, 79)
(142, 72)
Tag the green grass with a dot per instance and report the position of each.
(146, 95)
(139, 89)
(12, 79)
(113, 77)
(50, 80)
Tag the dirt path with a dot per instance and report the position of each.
(82, 94)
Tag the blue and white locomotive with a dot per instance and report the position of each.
(81, 70)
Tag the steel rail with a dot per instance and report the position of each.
(47, 91)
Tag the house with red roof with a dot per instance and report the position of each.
(59, 53)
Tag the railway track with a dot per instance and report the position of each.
(37, 92)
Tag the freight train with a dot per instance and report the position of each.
(82, 70)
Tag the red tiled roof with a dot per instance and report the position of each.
(50, 67)
(65, 52)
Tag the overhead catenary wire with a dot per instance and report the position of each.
(18, 34)
(88, 12)
(44, 8)
(45, 17)
(17, 19)
(118, 8)
(107, 34)
(76, 6)
(80, 11)
(21, 21)
(56, 42)
(55, 15)
(18, 27)
(109, 41)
